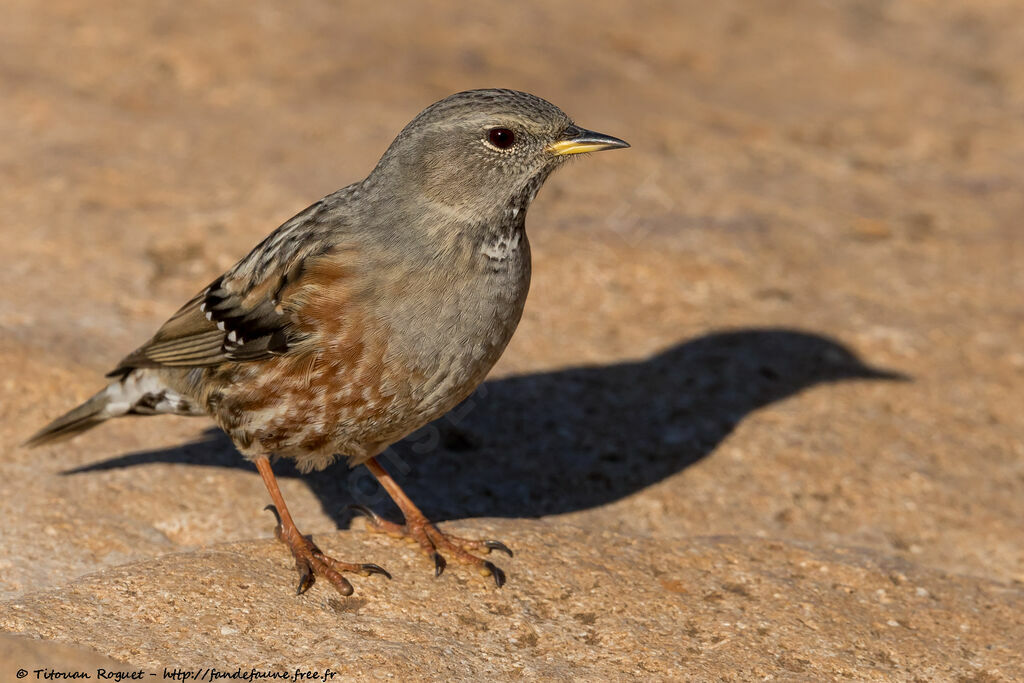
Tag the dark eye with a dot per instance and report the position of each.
(502, 138)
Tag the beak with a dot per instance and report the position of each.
(576, 140)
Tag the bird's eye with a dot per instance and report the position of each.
(502, 138)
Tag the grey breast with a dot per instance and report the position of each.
(463, 314)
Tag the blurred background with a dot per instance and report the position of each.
(820, 196)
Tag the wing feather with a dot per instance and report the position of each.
(241, 316)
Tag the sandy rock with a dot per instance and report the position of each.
(580, 604)
(37, 659)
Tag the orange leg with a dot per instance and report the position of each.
(430, 539)
(309, 559)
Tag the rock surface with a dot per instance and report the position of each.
(49, 657)
(585, 604)
(761, 418)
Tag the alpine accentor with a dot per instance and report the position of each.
(366, 316)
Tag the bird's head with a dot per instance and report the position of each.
(479, 152)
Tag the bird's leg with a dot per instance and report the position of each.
(430, 539)
(310, 561)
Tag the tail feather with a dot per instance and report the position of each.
(140, 392)
(82, 418)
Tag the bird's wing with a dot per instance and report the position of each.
(249, 312)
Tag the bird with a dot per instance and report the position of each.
(364, 317)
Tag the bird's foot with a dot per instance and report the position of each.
(311, 562)
(433, 542)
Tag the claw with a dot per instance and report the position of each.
(275, 513)
(494, 571)
(278, 528)
(363, 510)
(439, 564)
(374, 569)
(498, 545)
(306, 578)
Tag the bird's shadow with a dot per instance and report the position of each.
(567, 440)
